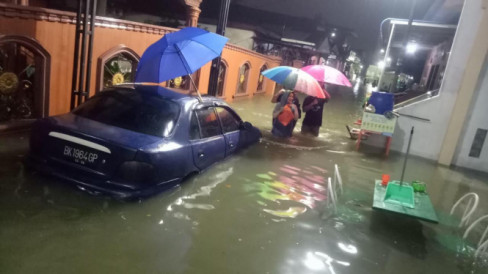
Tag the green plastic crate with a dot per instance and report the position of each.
(423, 210)
(399, 194)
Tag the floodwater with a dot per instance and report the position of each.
(264, 210)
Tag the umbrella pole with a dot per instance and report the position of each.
(406, 156)
(189, 72)
(196, 88)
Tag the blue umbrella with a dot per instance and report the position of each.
(179, 53)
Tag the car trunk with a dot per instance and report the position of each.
(87, 146)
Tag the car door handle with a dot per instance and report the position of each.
(201, 155)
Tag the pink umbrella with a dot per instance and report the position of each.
(327, 74)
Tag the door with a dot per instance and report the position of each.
(208, 143)
(230, 126)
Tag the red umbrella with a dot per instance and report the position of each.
(327, 74)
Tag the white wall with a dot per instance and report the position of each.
(478, 119)
(145, 18)
(239, 37)
(428, 137)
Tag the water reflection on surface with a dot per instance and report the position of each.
(290, 184)
(261, 211)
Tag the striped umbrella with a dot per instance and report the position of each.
(296, 79)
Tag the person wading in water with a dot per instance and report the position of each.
(314, 108)
(285, 115)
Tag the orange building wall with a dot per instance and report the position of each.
(56, 33)
(236, 57)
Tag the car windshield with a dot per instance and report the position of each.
(132, 110)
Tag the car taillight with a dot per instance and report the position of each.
(136, 172)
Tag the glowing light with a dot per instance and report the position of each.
(264, 176)
(348, 248)
(304, 189)
(291, 212)
(198, 206)
(388, 59)
(327, 258)
(314, 263)
(411, 48)
(292, 167)
(382, 50)
(381, 64)
(333, 34)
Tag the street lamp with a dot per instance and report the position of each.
(411, 47)
(381, 65)
(410, 20)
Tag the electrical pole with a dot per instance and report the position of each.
(80, 83)
(215, 69)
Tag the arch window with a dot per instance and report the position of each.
(184, 82)
(221, 79)
(243, 79)
(261, 82)
(118, 70)
(24, 81)
(117, 66)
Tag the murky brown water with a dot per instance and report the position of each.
(261, 211)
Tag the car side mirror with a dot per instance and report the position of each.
(245, 125)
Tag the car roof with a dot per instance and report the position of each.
(153, 90)
(167, 93)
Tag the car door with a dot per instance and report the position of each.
(230, 126)
(208, 143)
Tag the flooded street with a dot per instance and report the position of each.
(264, 210)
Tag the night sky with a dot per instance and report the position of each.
(298, 19)
(363, 17)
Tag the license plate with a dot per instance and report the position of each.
(80, 156)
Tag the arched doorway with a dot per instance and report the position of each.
(243, 78)
(261, 81)
(221, 79)
(24, 81)
(116, 66)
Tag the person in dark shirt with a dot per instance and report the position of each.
(314, 108)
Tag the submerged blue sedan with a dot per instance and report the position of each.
(131, 141)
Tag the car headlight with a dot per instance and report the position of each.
(136, 172)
